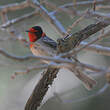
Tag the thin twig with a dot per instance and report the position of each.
(96, 48)
(58, 9)
(83, 3)
(102, 7)
(49, 17)
(94, 5)
(14, 7)
(75, 23)
(13, 21)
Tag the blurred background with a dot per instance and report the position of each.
(67, 92)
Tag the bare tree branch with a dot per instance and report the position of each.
(96, 48)
(30, 105)
(84, 3)
(49, 17)
(13, 21)
(70, 42)
(58, 9)
(41, 88)
(95, 40)
(65, 44)
(14, 57)
(102, 7)
(13, 7)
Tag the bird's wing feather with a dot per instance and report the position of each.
(49, 42)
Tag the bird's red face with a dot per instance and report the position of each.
(35, 33)
(31, 34)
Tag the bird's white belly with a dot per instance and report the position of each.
(39, 49)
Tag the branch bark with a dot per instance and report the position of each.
(63, 46)
(41, 88)
(71, 41)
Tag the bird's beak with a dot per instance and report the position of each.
(27, 31)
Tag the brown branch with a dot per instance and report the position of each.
(70, 42)
(75, 23)
(58, 60)
(108, 77)
(27, 57)
(69, 65)
(95, 40)
(31, 102)
(94, 5)
(41, 88)
(94, 47)
(29, 69)
(49, 75)
(88, 82)
(11, 30)
(59, 9)
(46, 80)
(5, 39)
(39, 66)
(83, 3)
(89, 14)
(4, 17)
(99, 15)
(16, 35)
(14, 57)
(66, 64)
(102, 7)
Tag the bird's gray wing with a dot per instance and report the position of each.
(49, 42)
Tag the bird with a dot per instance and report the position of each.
(42, 45)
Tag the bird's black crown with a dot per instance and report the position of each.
(39, 31)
